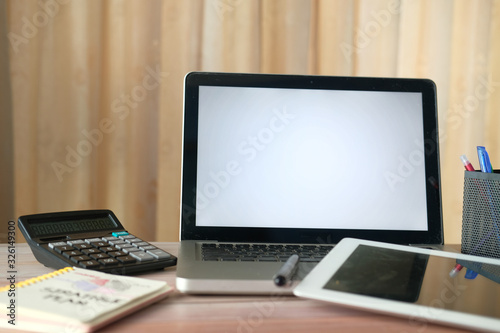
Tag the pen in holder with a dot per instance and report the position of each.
(481, 214)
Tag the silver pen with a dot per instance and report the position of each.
(287, 271)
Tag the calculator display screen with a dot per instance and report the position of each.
(69, 226)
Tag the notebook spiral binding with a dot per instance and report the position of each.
(38, 278)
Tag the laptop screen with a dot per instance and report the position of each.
(309, 155)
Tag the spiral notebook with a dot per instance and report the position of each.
(76, 300)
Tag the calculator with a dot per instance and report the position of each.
(92, 239)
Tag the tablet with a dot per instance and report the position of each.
(420, 284)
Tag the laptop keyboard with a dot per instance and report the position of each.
(262, 252)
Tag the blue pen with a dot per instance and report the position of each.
(470, 274)
(484, 159)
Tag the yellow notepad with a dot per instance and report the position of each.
(76, 300)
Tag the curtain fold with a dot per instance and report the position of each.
(97, 86)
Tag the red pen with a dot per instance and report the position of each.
(468, 166)
(455, 270)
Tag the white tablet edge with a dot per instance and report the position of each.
(312, 287)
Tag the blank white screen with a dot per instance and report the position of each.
(305, 158)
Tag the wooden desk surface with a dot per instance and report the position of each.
(239, 314)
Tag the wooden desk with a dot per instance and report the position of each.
(238, 314)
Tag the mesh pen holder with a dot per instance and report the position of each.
(481, 214)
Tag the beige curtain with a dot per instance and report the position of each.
(6, 149)
(97, 87)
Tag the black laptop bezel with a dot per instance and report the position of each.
(189, 230)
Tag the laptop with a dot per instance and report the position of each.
(280, 164)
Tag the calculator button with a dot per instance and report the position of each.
(159, 254)
(99, 256)
(93, 240)
(83, 246)
(91, 251)
(139, 244)
(63, 248)
(99, 244)
(142, 256)
(127, 237)
(109, 261)
(123, 246)
(108, 249)
(52, 245)
(117, 242)
(80, 258)
(119, 233)
(134, 240)
(148, 247)
(89, 264)
(75, 241)
(117, 253)
(107, 239)
(131, 249)
(73, 253)
(126, 259)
